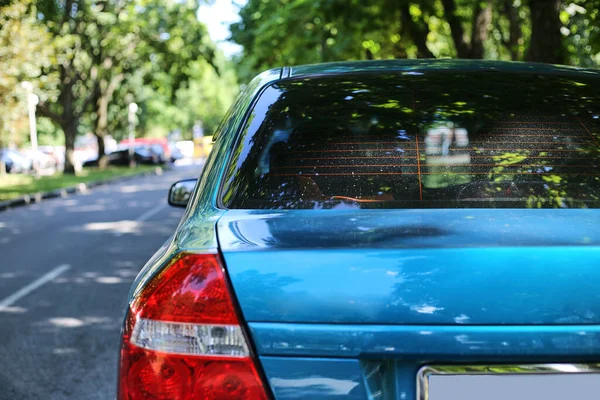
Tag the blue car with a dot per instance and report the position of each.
(393, 230)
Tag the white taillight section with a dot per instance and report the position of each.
(190, 339)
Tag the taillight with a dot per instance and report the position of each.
(182, 338)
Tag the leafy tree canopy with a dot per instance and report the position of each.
(89, 59)
(289, 32)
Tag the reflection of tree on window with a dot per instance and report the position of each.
(438, 139)
(181, 194)
(279, 136)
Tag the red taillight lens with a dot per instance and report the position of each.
(182, 338)
(192, 289)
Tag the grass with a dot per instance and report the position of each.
(17, 185)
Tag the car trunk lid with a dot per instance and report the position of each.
(405, 267)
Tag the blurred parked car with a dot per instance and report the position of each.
(164, 152)
(176, 154)
(142, 155)
(83, 155)
(15, 162)
(40, 160)
(160, 153)
(56, 152)
(186, 148)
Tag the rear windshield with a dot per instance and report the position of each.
(420, 140)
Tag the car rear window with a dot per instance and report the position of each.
(420, 140)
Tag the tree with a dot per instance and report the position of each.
(481, 18)
(24, 50)
(101, 45)
(546, 43)
(296, 31)
(581, 31)
(280, 32)
(508, 23)
(156, 41)
(415, 28)
(111, 59)
(69, 23)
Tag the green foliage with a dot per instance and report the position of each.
(158, 53)
(24, 50)
(303, 32)
(205, 98)
(88, 60)
(582, 31)
(291, 32)
(48, 133)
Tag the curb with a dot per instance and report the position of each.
(35, 198)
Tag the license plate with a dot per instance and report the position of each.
(510, 382)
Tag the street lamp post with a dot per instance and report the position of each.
(133, 108)
(32, 102)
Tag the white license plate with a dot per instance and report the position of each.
(540, 382)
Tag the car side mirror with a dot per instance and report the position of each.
(181, 192)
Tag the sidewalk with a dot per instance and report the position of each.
(79, 188)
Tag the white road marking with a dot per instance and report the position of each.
(151, 212)
(148, 214)
(19, 294)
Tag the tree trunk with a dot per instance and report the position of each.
(2, 164)
(546, 43)
(102, 157)
(323, 47)
(482, 19)
(68, 121)
(456, 29)
(102, 97)
(100, 128)
(416, 32)
(70, 130)
(514, 29)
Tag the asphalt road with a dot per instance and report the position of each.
(65, 270)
